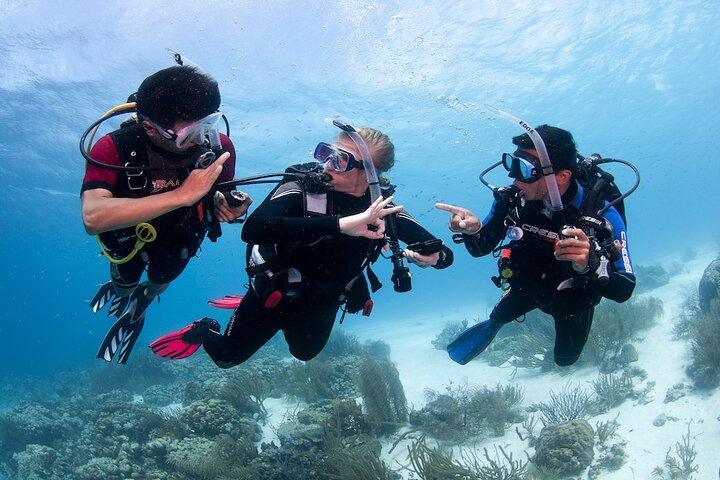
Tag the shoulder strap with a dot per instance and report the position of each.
(130, 144)
(599, 189)
(314, 203)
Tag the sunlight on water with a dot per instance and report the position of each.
(636, 81)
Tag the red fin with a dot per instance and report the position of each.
(227, 302)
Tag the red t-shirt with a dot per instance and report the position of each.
(105, 151)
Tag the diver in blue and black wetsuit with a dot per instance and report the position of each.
(559, 258)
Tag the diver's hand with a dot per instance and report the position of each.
(422, 261)
(199, 182)
(358, 225)
(462, 220)
(575, 248)
(226, 213)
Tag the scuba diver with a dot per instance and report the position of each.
(149, 193)
(566, 241)
(309, 244)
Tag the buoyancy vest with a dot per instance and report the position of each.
(166, 172)
(270, 271)
(528, 259)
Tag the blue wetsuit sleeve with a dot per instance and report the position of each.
(621, 283)
(281, 218)
(491, 233)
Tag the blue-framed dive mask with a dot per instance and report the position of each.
(336, 158)
(520, 167)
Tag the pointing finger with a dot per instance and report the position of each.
(450, 208)
(222, 158)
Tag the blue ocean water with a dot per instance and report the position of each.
(631, 80)
(635, 81)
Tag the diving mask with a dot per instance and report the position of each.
(520, 167)
(193, 133)
(336, 158)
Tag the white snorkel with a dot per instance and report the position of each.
(547, 170)
(366, 158)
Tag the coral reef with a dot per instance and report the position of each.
(448, 333)
(612, 390)
(36, 462)
(320, 379)
(705, 348)
(436, 463)
(679, 467)
(526, 343)
(192, 421)
(215, 417)
(340, 344)
(689, 310)
(223, 457)
(463, 412)
(650, 277)
(246, 389)
(355, 464)
(382, 393)
(565, 448)
(571, 403)
(610, 447)
(709, 287)
(332, 374)
(614, 326)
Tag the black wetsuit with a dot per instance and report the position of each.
(179, 232)
(537, 274)
(327, 259)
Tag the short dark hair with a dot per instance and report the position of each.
(179, 93)
(559, 143)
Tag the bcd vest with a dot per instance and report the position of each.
(273, 278)
(166, 172)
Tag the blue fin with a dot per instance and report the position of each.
(471, 343)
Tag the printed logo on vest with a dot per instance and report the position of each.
(160, 185)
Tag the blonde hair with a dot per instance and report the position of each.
(380, 143)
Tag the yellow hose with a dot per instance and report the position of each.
(122, 106)
(144, 232)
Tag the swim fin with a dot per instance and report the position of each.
(186, 341)
(106, 294)
(471, 343)
(227, 302)
(123, 334)
(118, 306)
(121, 337)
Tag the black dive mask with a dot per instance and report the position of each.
(520, 166)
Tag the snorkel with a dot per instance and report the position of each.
(401, 274)
(87, 138)
(365, 157)
(547, 169)
(204, 131)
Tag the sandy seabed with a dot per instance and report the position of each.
(664, 358)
